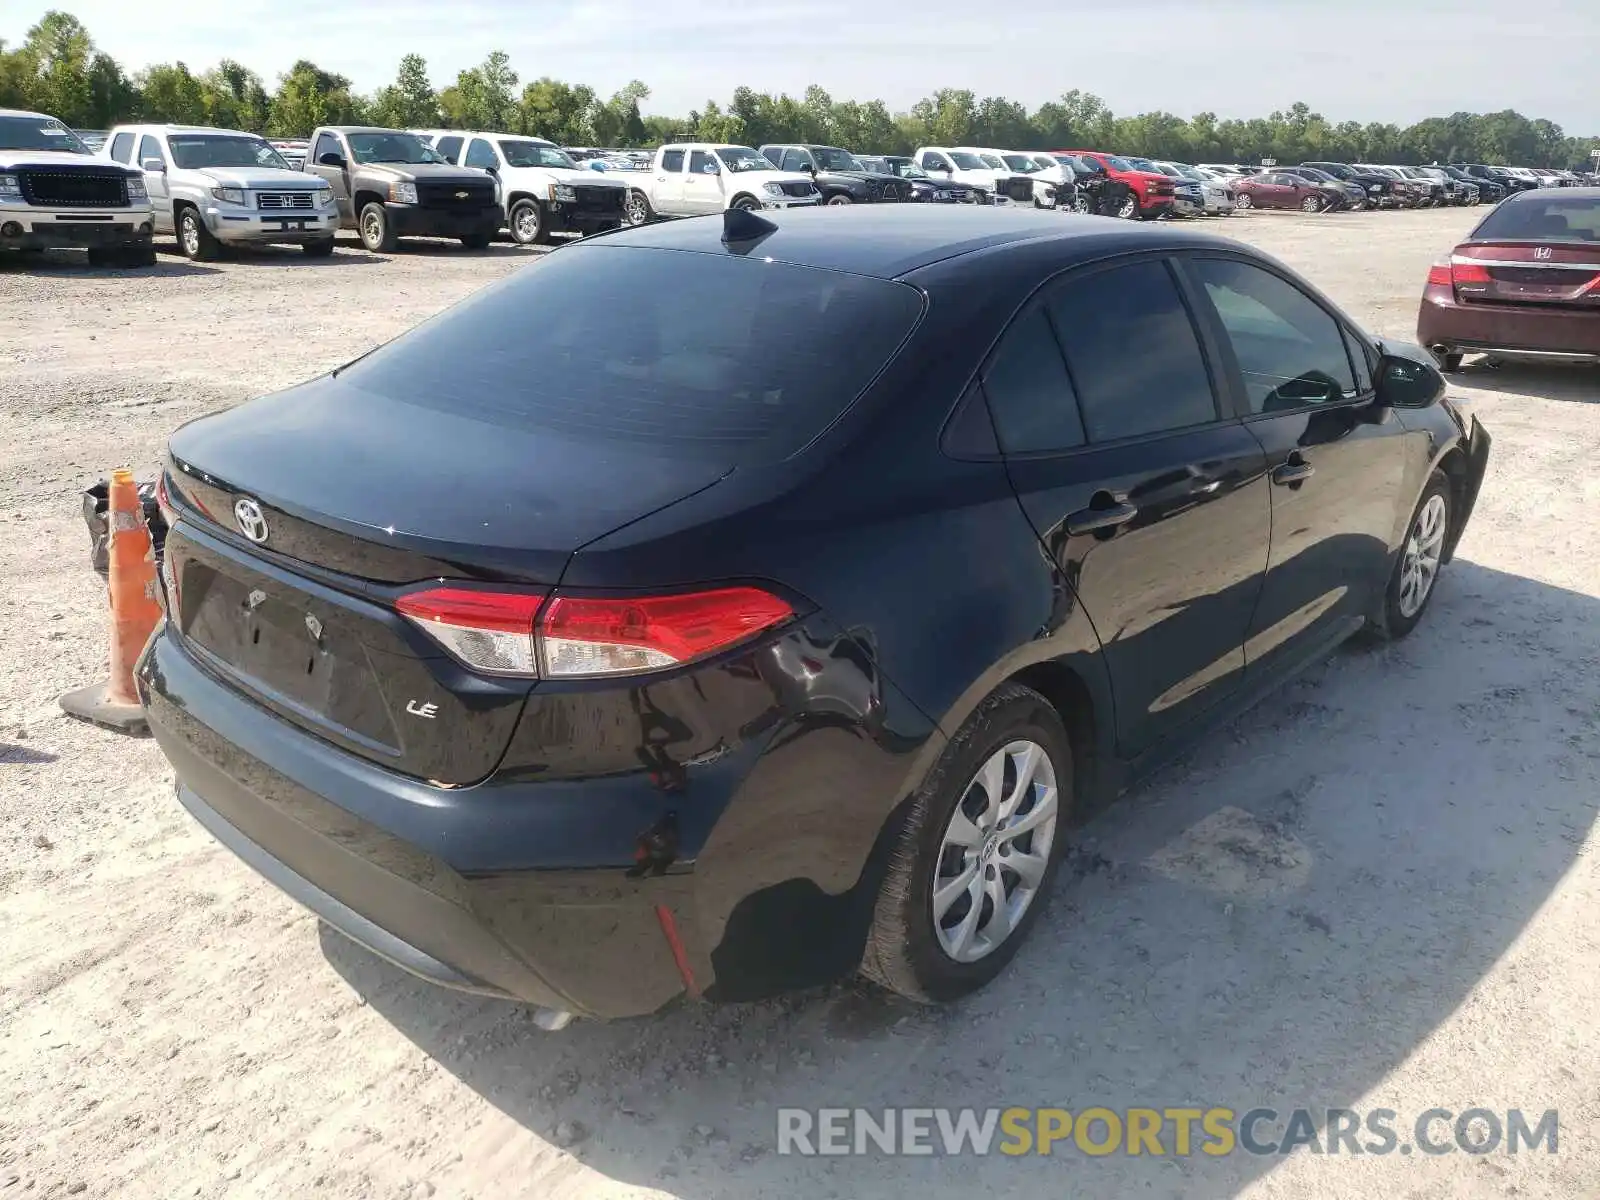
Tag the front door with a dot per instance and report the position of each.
(1148, 495)
(668, 192)
(151, 152)
(1336, 466)
(335, 176)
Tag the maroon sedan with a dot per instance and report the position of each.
(1273, 189)
(1525, 283)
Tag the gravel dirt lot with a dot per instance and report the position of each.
(1378, 889)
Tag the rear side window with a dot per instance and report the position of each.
(1556, 218)
(672, 160)
(1291, 351)
(120, 146)
(1029, 393)
(722, 358)
(1131, 347)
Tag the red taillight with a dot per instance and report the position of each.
(1439, 275)
(505, 633)
(1468, 273)
(581, 636)
(489, 631)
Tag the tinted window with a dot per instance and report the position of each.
(1360, 361)
(725, 358)
(701, 163)
(1553, 217)
(120, 146)
(1029, 392)
(1291, 351)
(794, 160)
(672, 160)
(150, 147)
(1132, 350)
(480, 154)
(448, 146)
(326, 144)
(935, 162)
(385, 147)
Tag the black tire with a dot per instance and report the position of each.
(1393, 621)
(477, 241)
(194, 239)
(841, 198)
(1450, 363)
(528, 226)
(636, 209)
(746, 204)
(321, 248)
(377, 231)
(903, 951)
(139, 256)
(1082, 205)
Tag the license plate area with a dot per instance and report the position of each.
(289, 226)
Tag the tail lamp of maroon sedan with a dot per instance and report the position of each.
(712, 609)
(1524, 285)
(1277, 190)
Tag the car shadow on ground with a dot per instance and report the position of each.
(1278, 919)
(24, 754)
(53, 262)
(1573, 382)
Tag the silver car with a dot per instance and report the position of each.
(218, 187)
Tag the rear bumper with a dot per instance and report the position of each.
(1506, 328)
(541, 889)
(410, 220)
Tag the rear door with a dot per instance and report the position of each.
(1305, 382)
(1148, 495)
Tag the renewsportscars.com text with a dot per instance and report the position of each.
(1175, 1132)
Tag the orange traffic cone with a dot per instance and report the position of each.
(134, 613)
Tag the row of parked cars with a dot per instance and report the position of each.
(209, 188)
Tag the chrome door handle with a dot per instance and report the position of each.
(1293, 472)
(1093, 520)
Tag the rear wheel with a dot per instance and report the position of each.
(1416, 570)
(529, 228)
(1312, 204)
(377, 231)
(194, 239)
(976, 853)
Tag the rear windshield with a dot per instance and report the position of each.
(720, 357)
(1555, 218)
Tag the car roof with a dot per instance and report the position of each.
(1547, 194)
(889, 241)
(24, 112)
(166, 127)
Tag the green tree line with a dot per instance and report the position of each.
(57, 69)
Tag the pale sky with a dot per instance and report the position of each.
(1389, 60)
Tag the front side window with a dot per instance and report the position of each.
(1030, 395)
(672, 160)
(194, 152)
(481, 155)
(831, 159)
(970, 162)
(795, 160)
(121, 147)
(701, 163)
(935, 162)
(1291, 351)
(741, 158)
(150, 147)
(1132, 351)
(38, 133)
(448, 147)
(326, 144)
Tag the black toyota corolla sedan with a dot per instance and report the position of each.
(724, 606)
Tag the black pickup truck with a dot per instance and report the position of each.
(390, 184)
(840, 176)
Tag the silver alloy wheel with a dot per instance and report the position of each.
(1242, 200)
(1129, 209)
(1081, 204)
(189, 230)
(1419, 566)
(372, 230)
(527, 223)
(994, 852)
(636, 208)
(1311, 204)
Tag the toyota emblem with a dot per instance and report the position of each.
(251, 521)
(1541, 253)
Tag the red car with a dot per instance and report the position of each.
(1152, 191)
(1274, 189)
(1525, 282)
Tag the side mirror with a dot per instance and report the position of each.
(1407, 383)
(155, 165)
(331, 159)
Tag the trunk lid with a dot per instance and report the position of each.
(1566, 274)
(304, 515)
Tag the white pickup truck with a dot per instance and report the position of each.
(541, 189)
(690, 179)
